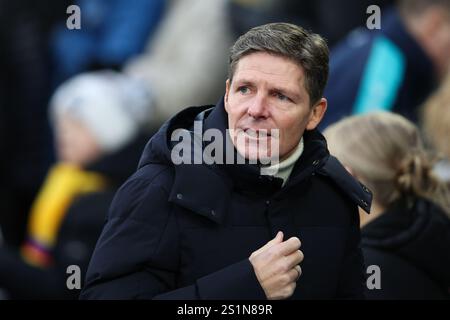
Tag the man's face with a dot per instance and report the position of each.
(268, 92)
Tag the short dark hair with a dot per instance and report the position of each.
(307, 49)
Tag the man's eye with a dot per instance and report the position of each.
(244, 90)
(281, 97)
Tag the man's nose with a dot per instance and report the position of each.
(259, 108)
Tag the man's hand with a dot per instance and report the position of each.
(276, 266)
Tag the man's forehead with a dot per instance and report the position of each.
(267, 61)
(277, 70)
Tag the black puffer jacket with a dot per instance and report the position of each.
(412, 249)
(186, 231)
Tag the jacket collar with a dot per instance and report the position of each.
(199, 187)
(355, 190)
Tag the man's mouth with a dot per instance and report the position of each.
(257, 133)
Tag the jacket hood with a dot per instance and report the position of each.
(159, 147)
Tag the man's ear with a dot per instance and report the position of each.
(317, 113)
(227, 91)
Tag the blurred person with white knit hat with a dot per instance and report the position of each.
(99, 120)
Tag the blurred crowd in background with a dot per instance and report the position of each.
(78, 106)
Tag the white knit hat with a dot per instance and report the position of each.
(112, 105)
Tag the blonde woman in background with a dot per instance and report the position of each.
(436, 127)
(407, 233)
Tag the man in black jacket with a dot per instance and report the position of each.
(232, 228)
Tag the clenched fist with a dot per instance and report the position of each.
(276, 266)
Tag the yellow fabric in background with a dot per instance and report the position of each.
(64, 182)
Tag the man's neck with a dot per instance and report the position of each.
(284, 168)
